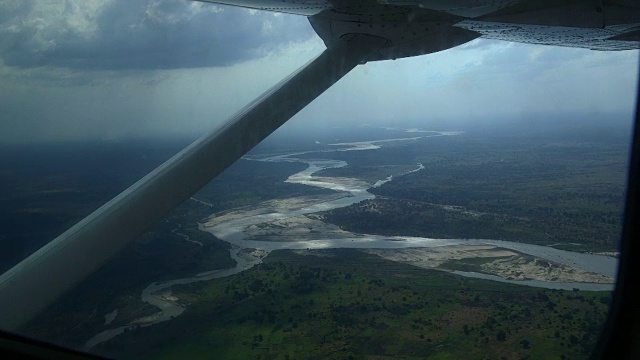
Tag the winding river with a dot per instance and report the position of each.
(232, 231)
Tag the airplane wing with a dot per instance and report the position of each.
(38, 280)
(415, 27)
(355, 31)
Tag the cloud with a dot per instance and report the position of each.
(172, 67)
(110, 105)
(490, 81)
(139, 34)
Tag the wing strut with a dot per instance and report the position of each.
(33, 284)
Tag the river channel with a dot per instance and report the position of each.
(232, 231)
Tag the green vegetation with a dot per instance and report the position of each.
(346, 304)
(517, 189)
(49, 188)
(160, 254)
(563, 191)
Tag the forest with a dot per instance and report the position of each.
(565, 193)
(345, 304)
(549, 189)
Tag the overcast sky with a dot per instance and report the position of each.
(100, 69)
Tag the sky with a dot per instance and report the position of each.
(79, 70)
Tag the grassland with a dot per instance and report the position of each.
(345, 304)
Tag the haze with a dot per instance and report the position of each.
(109, 70)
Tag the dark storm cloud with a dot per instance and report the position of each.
(139, 34)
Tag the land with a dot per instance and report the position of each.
(343, 304)
(299, 228)
(160, 254)
(46, 189)
(566, 194)
(487, 259)
(492, 260)
(270, 206)
(562, 191)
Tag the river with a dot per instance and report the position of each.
(232, 231)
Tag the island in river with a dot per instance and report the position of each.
(313, 276)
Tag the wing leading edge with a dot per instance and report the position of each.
(416, 27)
(45, 275)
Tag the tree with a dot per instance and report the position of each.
(574, 339)
(501, 335)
